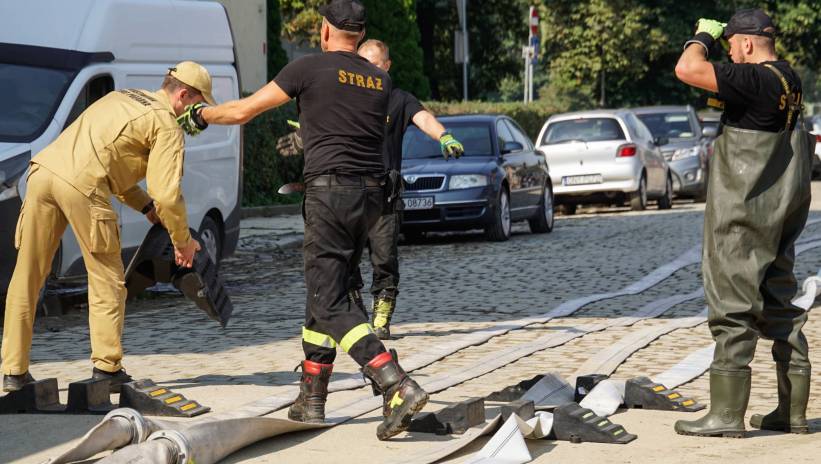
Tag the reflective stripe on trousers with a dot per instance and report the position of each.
(354, 335)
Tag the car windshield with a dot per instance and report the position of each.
(475, 137)
(583, 130)
(28, 98)
(671, 125)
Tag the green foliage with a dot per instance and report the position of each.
(496, 32)
(394, 22)
(277, 58)
(391, 21)
(264, 169)
(531, 117)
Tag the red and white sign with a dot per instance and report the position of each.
(534, 21)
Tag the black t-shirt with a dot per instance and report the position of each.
(753, 95)
(342, 101)
(403, 107)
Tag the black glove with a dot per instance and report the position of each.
(191, 120)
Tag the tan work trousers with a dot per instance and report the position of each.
(49, 206)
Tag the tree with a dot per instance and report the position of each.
(391, 21)
(496, 32)
(277, 58)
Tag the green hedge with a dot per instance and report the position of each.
(531, 117)
(264, 169)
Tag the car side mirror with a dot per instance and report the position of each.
(659, 141)
(510, 147)
(709, 131)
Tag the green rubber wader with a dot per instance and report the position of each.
(757, 205)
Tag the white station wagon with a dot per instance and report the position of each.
(605, 156)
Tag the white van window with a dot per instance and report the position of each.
(29, 96)
(93, 91)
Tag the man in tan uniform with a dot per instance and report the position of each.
(122, 138)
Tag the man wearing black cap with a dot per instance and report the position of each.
(757, 204)
(345, 98)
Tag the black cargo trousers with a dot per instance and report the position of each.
(383, 249)
(339, 210)
(383, 245)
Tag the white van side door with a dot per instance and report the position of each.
(212, 159)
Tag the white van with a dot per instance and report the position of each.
(57, 57)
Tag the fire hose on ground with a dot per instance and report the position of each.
(207, 442)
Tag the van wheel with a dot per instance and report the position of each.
(638, 199)
(211, 238)
(499, 230)
(542, 222)
(666, 201)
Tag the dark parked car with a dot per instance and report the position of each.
(688, 149)
(500, 179)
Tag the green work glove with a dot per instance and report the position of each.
(450, 146)
(191, 121)
(710, 26)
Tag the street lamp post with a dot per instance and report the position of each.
(461, 8)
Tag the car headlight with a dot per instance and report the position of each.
(10, 172)
(682, 153)
(467, 181)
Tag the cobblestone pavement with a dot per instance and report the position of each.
(451, 284)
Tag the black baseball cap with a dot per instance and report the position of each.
(348, 15)
(750, 21)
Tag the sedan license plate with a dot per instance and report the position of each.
(418, 203)
(583, 180)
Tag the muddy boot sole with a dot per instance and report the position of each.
(716, 434)
(298, 415)
(409, 408)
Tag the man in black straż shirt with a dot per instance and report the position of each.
(757, 204)
(344, 100)
(404, 109)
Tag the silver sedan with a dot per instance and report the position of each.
(605, 156)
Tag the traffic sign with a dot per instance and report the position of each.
(534, 21)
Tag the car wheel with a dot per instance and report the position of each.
(666, 201)
(211, 239)
(499, 231)
(568, 210)
(638, 199)
(542, 222)
(701, 197)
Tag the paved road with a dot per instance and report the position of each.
(451, 285)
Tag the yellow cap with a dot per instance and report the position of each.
(196, 76)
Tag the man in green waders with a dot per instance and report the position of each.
(757, 205)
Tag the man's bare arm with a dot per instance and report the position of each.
(428, 124)
(245, 109)
(694, 69)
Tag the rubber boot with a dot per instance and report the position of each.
(402, 396)
(729, 395)
(313, 393)
(383, 307)
(793, 395)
